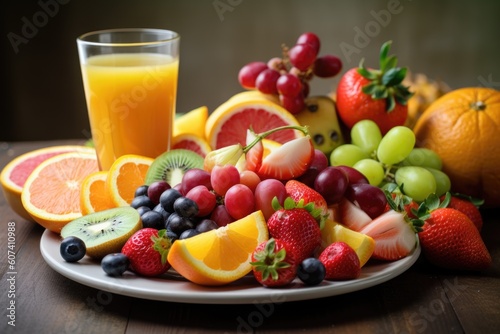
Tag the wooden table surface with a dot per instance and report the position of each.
(424, 299)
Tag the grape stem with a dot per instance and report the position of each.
(262, 135)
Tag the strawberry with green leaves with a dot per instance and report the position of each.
(378, 95)
(449, 238)
(298, 190)
(147, 250)
(298, 224)
(274, 263)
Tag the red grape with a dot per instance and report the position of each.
(155, 190)
(239, 201)
(195, 177)
(266, 81)
(248, 74)
(369, 198)
(353, 175)
(289, 85)
(331, 183)
(302, 56)
(265, 191)
(293, 104)
(250, 179)
(223, 178)
(221, 216)
(204, 198)
(327, 66)
(311, 39)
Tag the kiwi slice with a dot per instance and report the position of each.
(104, 232)
(171, 166)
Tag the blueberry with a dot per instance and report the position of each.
(115, 264)
(142, 200)
(142, 210)
(178, 224)
(153, 219)
(141, 191)
(172, 236)
(72, 249)
(206, 225)
(188, 233)
(167, 199)
(311, 271)
(158, 208)
(186, 207)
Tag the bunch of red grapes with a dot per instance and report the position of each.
(289, 76)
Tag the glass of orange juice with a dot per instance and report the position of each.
(130, 81)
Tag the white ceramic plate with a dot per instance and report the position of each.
(172, 287)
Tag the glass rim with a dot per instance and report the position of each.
(82, 38)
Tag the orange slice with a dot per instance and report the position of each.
(125, 175)
(94, 195)
(362, 244)
(15, 173)
(228, 124)
(191, 142)
(52, 191)
(219, 256)
(191, 122)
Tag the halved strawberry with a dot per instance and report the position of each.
(394, 236)
(254, 155)
(288, 161)
(298, 190)
(351, 215)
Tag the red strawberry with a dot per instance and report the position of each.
(298, 190)
(274, 263)
(351, 215)
(394, 236)
(468, 207)
(374, 94)
(410, 205)
(147, 250)
(287, 161)
(449, 238)
(297, 225)
(340, 261)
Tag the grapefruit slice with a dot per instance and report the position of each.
(15, 173)
(191, 122)
(228, 124)
(51, 194)
(191, 142)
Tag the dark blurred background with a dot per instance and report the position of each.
(454, 40)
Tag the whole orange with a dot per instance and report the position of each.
(463, 128)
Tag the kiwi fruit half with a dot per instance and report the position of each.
(171, 166)
(106, 231)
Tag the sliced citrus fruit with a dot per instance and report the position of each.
(52, 191)
(191, 142)
(125, 175)
(219, 256)
(191, 122)
(254, 95)
(15, 173)
(228, 124)
(94, 195)
(362, 244)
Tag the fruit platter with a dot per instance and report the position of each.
(277, 193)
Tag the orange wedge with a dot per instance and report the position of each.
(220, 256)
(125, 175)
(191, 122)
(52, 191)
(94, 195)
(362, 244)
(15, 173)
(228, 124)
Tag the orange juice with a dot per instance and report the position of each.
(131, 103)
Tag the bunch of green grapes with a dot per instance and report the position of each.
(393, 158)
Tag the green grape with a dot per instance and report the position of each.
(347, 155)
(423, 157)
(443, 183)
(396, 145)
(371, 169)
(418, 182)
(366, 134)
